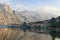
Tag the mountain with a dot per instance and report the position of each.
(9, 16)
(32, 16)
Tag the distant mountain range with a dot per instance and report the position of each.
(9, 16)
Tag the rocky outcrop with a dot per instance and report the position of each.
(7, 15)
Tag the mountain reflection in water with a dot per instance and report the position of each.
(17, 34)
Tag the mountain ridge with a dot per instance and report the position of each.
(9, 16)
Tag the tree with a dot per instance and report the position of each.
(53, 25)
(58, 26)
(58, 23)
(24, 27)
(59, 17)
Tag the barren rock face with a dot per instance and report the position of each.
(6, 15)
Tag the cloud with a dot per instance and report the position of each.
(44, 9)
(21, 7)
(49, 9)
(4, 1)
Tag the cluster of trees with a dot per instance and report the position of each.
(55, 23)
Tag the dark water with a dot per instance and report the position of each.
(37, 36)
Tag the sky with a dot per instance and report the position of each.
(48, 6)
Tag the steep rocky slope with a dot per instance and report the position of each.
(6, 15)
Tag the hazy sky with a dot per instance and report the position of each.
(49, 6)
